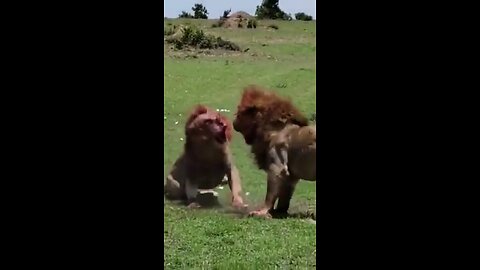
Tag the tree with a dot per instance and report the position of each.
(226, 13)
(199, 12)
(269, 10)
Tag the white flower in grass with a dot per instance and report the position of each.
(247, 193)
(176, 122)
(181, 139)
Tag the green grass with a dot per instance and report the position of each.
(282, 60)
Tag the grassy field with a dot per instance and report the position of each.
(283, 60)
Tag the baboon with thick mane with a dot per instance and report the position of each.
(282, 141)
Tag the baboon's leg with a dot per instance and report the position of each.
(173, 189)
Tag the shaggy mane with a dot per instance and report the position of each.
(272, 113)
(272, 109)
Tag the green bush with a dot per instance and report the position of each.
(185, 15)
(219, 23)
(303, 17)
(169, 31)
(189, 36)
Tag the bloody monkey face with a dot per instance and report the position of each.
(205, 124)
(210, 126)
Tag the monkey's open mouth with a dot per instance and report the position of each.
(221, 137)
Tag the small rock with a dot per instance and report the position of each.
(311, 221)
(208, 191)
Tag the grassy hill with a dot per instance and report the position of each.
(282, 60)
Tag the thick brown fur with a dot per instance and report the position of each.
(206, 159)
(282, 141)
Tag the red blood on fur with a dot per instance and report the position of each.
(202, 109)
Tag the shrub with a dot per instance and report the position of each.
(185, 15)
(194, 37)
(287, 17)
(219, 23)
(273, 26)
(302, 17)
(252, 23)
(169, 31)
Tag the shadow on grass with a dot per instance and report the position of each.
(205, 201)
(276, 215)
(208, 201)
(297, 215)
